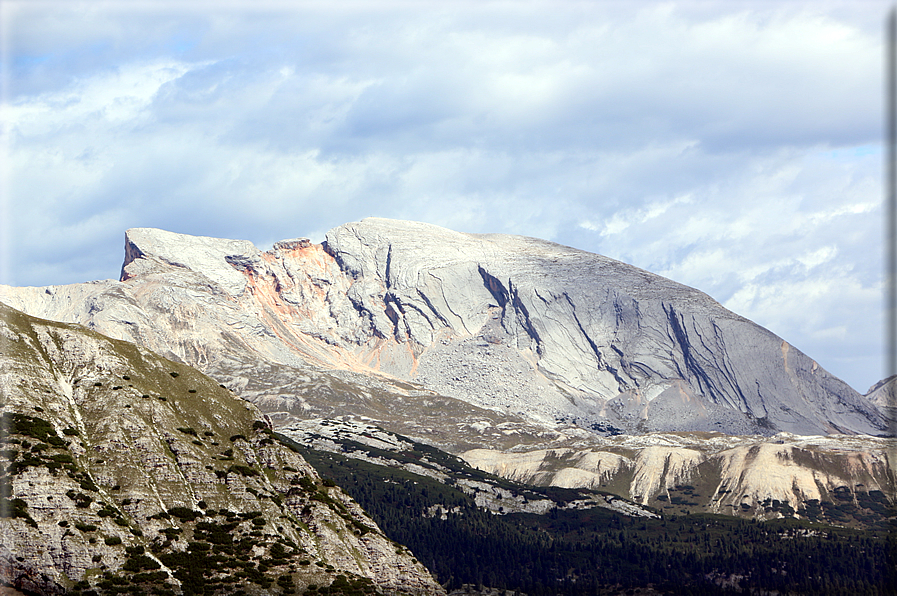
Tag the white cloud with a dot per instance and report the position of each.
(118, 96)
(818, 257)
(622, 220)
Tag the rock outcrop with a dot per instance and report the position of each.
(122, 468)
(751, 476)
(617, 342)
(515, 325)
(884, 396)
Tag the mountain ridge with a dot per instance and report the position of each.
(602, 387)
(123, 468)
(517, 325)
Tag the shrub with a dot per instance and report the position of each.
(22, 424)
(107, 511)
(81, 500)
(87, 484)
(244, 470)
(140, 562)
(113, 541)
(185, 514)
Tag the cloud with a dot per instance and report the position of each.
(622, 220)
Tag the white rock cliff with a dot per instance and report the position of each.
(517, 325)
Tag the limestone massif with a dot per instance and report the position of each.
(524, 356)
(518, 326)
(126, 471)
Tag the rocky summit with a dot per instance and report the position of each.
(124, 472)
(511, 409)
(520, 327)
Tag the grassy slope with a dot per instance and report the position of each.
(123, 466)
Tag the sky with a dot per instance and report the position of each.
(735, 147)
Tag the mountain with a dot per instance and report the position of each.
(884, 396)
(537, 334)
(523, 416)
(124, 472)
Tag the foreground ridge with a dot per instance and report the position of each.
(123, 470)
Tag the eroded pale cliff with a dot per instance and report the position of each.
(515, 325)
(718, 473)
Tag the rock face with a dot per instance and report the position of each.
(516, 325)
(884, 396)
(615, 341)
(847, 480)
(717, 473)
(122, 468)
